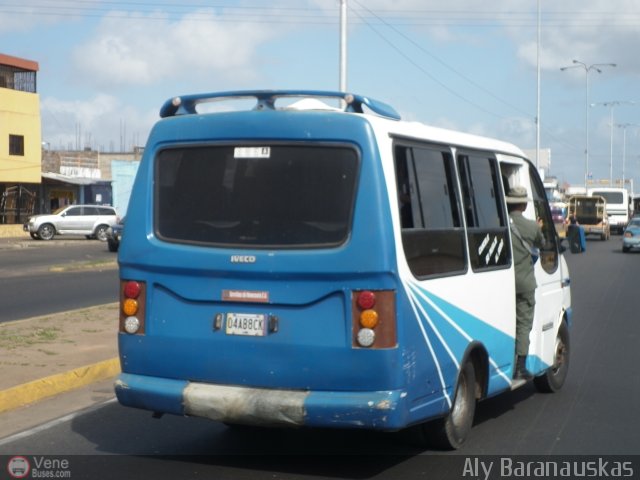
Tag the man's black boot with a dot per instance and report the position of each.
(521, 372)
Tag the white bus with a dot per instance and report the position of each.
(617, 205)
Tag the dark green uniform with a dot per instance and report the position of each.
(525, 278)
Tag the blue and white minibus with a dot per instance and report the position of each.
(307, 265)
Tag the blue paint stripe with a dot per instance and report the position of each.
(451, 329)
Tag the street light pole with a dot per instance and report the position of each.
(587, 68)
(624, 127)
(611, 105)
(538, 90)
(343, 45)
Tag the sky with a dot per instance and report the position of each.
(106, 67)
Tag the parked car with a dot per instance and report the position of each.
(114, 234)
(631, 235)
(89, 220)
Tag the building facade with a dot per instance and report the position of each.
(86, 177)
(37, 180)
(20, 138)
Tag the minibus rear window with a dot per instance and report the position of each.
(264, 196)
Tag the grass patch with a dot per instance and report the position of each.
(18, 338)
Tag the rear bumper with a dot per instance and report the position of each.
(588, 229)
(267, 407)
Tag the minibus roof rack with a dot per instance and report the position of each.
(266, 99)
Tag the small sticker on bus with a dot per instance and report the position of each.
(252, 152)
(245, 296)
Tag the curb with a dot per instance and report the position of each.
(36, 390)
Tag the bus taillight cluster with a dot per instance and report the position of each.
(132, 306)
(374, 319)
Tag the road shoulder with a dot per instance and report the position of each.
(64, 358)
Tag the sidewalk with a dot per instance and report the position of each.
(12, 231)
(44, 357)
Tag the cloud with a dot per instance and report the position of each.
(144, 49)
(592, 30)
(589, 30)
(102, 123)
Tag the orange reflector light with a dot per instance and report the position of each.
(130, 307)
(369, 319)
(366, 299)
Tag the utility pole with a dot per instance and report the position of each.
(611, 105)
(538, 93)
(343, 45)
(624, 127)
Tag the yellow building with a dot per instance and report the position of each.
(20, 138)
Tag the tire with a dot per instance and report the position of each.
(553, 379)
(450, 432)
(34, 236)
(46, 231)
(101, 232)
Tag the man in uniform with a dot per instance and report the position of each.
(525, 234)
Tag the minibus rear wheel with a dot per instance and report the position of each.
(450, 432)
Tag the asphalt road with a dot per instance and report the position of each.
(596, 413)
(37, 277)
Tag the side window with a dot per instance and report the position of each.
(90, 211)
(105, 211)
(548, 253)
(74, 212)
(432, 232)
(484, 211)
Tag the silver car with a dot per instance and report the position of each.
(89, 220)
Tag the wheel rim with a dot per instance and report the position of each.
(46, 232)
(560, 357)
(461, 406)
(101, 234)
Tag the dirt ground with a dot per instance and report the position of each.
(41, 346)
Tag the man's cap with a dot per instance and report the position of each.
(518, 195)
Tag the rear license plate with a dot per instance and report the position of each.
(249, 324)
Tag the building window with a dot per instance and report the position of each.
(17, 79)
(16, 145)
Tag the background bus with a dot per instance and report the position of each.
(618, 207)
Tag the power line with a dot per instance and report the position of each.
(529, 116)
(427, 73)
(308, 15)
(443, 63)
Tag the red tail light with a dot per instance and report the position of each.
(132, 307)
(366, 299)
(373, 319)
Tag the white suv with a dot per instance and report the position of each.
(89, 220)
